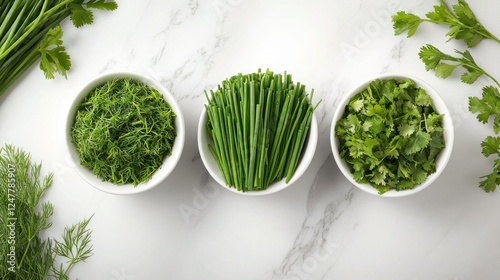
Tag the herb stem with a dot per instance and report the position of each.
(470, 28)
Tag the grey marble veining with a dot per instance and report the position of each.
(321, 227)
(314, 242)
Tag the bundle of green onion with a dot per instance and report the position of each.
(30, 30)
(259, 124)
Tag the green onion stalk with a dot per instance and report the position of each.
(30, 30)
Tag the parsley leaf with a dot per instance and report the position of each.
(406, 130)
(487, 106)
(491, 146)
(102, 5)
(80, 16)
(444, 70)
(417, 143)
(403, 21)
(432, 122)
(431, 56)
(54, 58)
(423, 99)
(357, 105)
(490, 181)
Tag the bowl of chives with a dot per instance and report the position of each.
(122, 113)
(258, 133)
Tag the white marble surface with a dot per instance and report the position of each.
(319, 228)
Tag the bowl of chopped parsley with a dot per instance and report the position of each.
(392, 136)
(257, 133)
(125, 133)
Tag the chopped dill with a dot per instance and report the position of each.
(123, 131)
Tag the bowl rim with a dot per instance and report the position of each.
(213, 169)
(441, 160)
(169, 163)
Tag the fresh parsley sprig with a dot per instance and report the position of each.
(30, 30)
(461, 20)
(444, 64)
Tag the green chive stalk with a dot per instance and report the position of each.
(259, 125)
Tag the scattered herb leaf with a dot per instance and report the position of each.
(462, 21)
(439, 62)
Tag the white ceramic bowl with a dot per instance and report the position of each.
(441, 160)
(211, 165)
(169, 162)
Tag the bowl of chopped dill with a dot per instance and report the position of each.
(125, 133)
(392, 136)
(258, 133)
